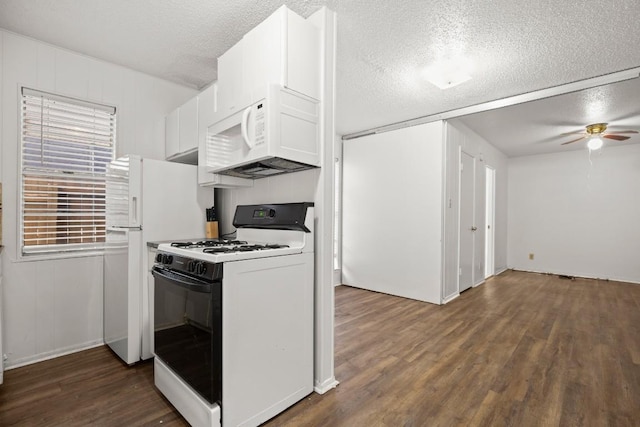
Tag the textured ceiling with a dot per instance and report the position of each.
(517, 46)
(536, 127)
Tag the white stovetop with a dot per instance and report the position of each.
(198, 253)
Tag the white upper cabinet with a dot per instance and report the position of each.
(207, 105)
(181, 131)
(172, 134)
(189, 125)
(230, 94)
(283, 49)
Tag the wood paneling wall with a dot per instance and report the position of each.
(54, 306)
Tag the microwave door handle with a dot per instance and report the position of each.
(244, 125)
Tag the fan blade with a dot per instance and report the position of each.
(622, 131)
(577, 132)
(575, 140)
(616, 137)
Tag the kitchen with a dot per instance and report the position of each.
(69, 316)
(51, 329)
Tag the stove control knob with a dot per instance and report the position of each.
(191, 266)
(159, 258)
(201, 268)
(166, 259)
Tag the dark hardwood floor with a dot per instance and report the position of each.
(521, 350)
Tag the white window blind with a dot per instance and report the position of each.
(66, 147)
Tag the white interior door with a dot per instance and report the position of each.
(467, 219)
(489, 241)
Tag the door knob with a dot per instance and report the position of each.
(474, 228)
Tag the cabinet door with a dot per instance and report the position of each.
(263, 55)
(230, 80)
(206, 110)
(302, 56)
(188, 125)
(284, 49)
(172, 134)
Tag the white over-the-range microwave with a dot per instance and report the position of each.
(278, 134)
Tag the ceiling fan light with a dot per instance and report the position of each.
(594, 143)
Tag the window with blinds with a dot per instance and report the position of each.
(66, 145)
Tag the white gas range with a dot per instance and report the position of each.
(233, 319)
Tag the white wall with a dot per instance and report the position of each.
(55, 306)
(578, 216)
(392, 212)
(287, 188)
(459, 137)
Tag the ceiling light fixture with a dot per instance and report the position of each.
(595, 142)
(449, 73)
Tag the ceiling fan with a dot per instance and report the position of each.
(595, 132)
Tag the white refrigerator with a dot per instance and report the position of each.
(147, 201)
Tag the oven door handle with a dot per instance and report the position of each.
(182, 281)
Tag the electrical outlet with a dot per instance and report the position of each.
(531, 256)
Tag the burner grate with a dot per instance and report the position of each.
(243, 247)
(217, 250)
(181, 244)
(207, 243)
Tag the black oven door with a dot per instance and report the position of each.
(187, 322)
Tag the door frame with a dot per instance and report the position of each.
(490, 222)
(473, 215)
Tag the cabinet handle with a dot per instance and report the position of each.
(474, 228)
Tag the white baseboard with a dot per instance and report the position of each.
(578, 276)
(337, 277)
(451, 298)
(500, 271)
(24, 361)
(327, 385)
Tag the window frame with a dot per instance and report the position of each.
(58, 250)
